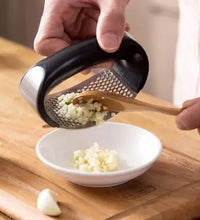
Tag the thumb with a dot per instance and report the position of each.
(189, 118)
(111, 24)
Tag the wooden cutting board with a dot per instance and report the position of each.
(169, 190)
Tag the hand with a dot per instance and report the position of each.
(65, 22)
(189, 118)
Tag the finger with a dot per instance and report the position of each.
(88, 27)
(189, 118)
(92, 13)
(190, 102)
(51, 36)
(47, 47)
(84, 25)
(111, 24)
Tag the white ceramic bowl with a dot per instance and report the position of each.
(136, 148)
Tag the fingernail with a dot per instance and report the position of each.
(110, 41)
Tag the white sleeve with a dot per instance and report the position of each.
(187, 69)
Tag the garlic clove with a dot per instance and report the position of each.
(47, 203)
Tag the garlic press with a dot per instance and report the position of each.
(127, 76)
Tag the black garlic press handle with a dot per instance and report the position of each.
(130, 62)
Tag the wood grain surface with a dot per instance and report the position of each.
(169, 190)
(4, 217)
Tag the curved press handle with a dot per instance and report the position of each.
(130, 63)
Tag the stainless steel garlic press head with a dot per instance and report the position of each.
(127, 77)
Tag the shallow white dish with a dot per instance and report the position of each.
(136, 148)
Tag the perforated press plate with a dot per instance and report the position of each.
(105, 80)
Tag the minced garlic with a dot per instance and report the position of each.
(95, 159)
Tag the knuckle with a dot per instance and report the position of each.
(39, 47)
